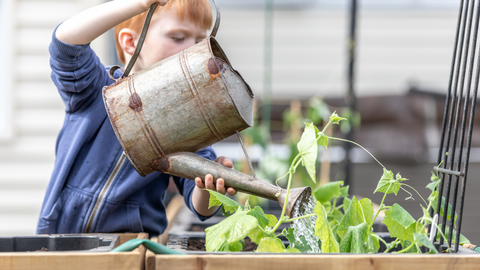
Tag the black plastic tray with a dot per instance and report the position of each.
(66, 242)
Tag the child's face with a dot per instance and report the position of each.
(167, 36)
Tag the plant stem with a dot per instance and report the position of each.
(333, 205)
(293, 166)
(380, 208)
(416, 192)
(293, 219)
(407, 248)
(394, 244)
(343, 140)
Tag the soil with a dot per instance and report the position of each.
(197, 228)
(199, 245)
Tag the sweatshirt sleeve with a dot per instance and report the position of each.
(186, 186)
(77, 73)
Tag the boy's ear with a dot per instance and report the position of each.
(127, 40)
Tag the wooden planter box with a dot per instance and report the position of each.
(134, 259)
(317, 261)
(263, 261)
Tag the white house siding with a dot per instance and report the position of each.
(26, 159)
(309, 58)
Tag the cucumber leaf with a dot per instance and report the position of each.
(324, 232)
(218, 199)
(328, 191)
(357, 213)
(270, 244)
(354, 240)
(308, 149)
(230, 230)
(388, 183)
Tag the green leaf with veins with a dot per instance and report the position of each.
(354, 240)
(308, 149)
(373, 243)
(346, 203)
(423, 240)
(388, 183)
(270, 244)
(324, 232)
(217, 199)
(328, 191)
(258, 213)
(400, 223)
(357, 213)
(335, 119)
(230, 230)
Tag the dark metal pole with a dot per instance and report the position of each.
(267, 65)
(350, 99)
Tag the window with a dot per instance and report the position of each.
(5, 67)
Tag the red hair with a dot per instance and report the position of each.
(196, 11)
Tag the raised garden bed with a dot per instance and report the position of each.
(92, 260)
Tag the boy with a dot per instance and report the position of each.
(94, 188)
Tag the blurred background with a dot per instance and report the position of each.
(302, 62)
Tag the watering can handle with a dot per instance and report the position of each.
(217, 20)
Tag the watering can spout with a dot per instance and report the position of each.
(190, 165)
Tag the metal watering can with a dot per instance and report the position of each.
(182, 104)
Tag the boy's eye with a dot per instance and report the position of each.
(178, 39)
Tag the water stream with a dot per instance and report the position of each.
(304, 229)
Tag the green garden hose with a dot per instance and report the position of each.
(154, 247)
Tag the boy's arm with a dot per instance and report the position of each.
(86, 26)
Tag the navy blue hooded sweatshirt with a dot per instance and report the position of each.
(93, 187)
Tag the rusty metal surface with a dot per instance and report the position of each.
(186, 102)
(190, 165)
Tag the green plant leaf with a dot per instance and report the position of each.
(336, 119)
(373, 243)
(388, 183)
(292, 250)
(308, 149)
(231, 230)
(289, 235)
(335, 215)
(367, 208)
(272, 220)
(346, 203)
(328, 191)
(400, 223)
(423, 240)
(354, 240)
(344, 191)
(463, 239)
(270, 244)
(323, 140)
(235, 247)
(357, 213)
(217, 199)
(324, 232)
(258, 213)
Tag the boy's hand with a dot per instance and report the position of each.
(147, 3)
(220, 187)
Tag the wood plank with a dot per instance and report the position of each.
(77, 260)
(324, 261)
